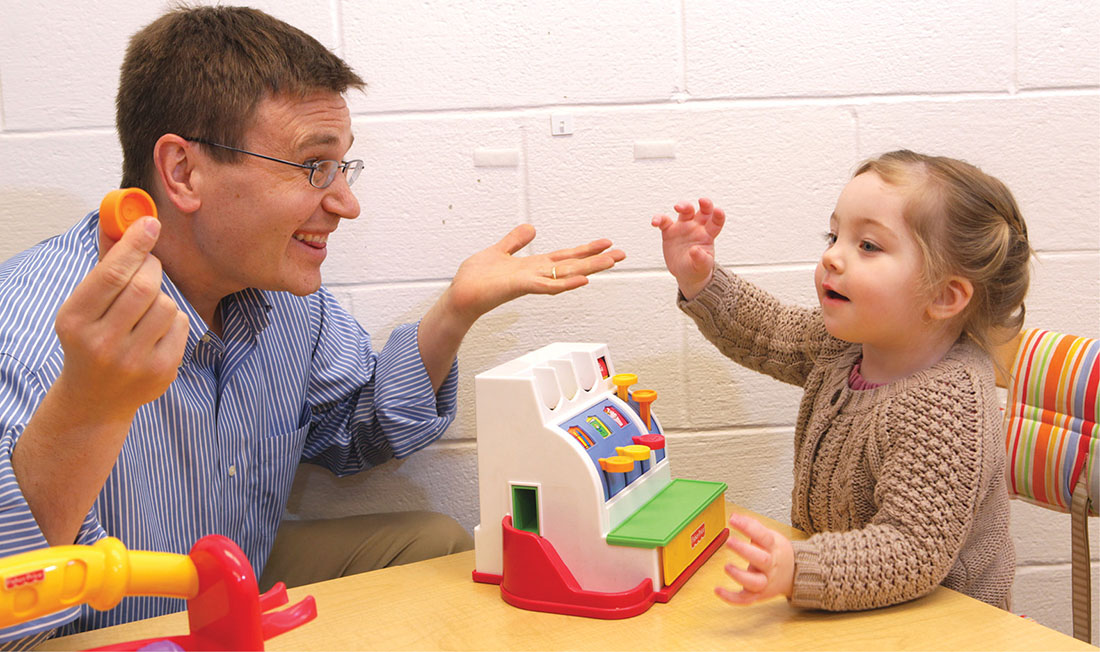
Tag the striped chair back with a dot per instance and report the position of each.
(1053, 419)
(1052, 427)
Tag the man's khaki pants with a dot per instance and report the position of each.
(316, 550)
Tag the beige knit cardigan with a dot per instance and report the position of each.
(901, 486)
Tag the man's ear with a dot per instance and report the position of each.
(954, 296)
(175, 162)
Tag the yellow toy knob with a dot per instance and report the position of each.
(636, 452)
(617, 464)
(622, 384)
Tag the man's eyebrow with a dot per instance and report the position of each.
(322, 139)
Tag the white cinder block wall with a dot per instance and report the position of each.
(766, 107)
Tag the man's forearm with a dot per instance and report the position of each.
(62, 460)
(439, 335)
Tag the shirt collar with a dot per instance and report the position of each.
(253, 304)
(198, 328)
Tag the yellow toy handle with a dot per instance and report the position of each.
(38, 583)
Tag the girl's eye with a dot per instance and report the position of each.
(830, 239)
(869, 247)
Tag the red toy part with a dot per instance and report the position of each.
(535, 577)
(653, 440)
(227, 612)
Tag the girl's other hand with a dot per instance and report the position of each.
(770, 556)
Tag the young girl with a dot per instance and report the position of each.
(899, 456)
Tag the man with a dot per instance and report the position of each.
(195, 362)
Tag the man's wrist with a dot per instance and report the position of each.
(77, 404)
(455, 318)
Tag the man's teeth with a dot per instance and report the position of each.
(311, 238)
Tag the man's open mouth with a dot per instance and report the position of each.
(317, 241)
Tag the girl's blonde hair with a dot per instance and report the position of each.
(968, 224)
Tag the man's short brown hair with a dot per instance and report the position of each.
(200, 72)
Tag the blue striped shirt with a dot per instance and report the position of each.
(291, 379)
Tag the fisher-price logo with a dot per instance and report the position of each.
(24, 579)
(698, 534)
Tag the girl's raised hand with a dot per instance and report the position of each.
(688, 243)
(770, 556)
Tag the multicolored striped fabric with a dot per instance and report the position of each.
(1053, 419)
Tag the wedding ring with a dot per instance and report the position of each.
(554, 273)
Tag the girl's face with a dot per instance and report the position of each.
(869, 278)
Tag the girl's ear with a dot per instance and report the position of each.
(953, 298)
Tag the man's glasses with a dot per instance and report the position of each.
(321, 173)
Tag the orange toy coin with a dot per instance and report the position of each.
(121, 208)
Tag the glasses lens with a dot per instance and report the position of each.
(323, 174)
(352, 170)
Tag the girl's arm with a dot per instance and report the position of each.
(754, 329)
(745, 323)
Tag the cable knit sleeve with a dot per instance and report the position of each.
(754, 329)
(927, 455)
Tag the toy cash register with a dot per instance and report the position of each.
(579, 512)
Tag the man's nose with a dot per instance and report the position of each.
(340, 200)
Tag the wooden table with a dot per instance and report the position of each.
(435, 605)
